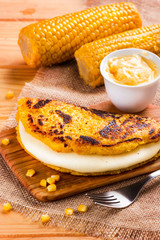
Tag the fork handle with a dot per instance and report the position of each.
(149, 177)
(154, 174)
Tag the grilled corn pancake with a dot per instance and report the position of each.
(66, 128)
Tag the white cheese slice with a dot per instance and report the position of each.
(86, 163)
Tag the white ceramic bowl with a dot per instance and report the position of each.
(126, 98)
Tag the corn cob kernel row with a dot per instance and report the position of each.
(53, 41)
(90, 55)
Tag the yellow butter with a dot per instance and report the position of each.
(131, 70)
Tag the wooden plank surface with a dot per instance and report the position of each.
(29, 10)
(10, 55)
(20, 161)
(12, 79)
(15, 226)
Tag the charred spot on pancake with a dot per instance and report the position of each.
(56, 131)
(41, 116)
(66, 117)
(111, 130)
(29, 103)
(127, 140)
(61, 126)
(30, 119)
(151, 131)
(40, 122)
(125, 135)
(90, 140)
(41, 103)
(65, 145)
(61, 139)
(142, 125)
(139, 125)
(100, 113)
(131, 139)
(69, 137)
(156, 136)
(139, 118)
(125, 121)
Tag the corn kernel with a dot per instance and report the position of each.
(45, 218)
(50, 180)
(7, 207)
(30, 173)
(52, 188)
(9, 95)
(68, 211)
(82, 208)
(5, 141)
(43, 183)
(56, 177)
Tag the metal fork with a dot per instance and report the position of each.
(122, 197)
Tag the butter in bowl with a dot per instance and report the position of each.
(131, 78)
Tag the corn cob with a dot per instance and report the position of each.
(90, 55)
(54, 41)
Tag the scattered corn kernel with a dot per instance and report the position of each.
(50, 180)
(45, 218)
(68, 211)
(56, 177)
(5, 141)
(43, 183)
(52, 188)
(82, 208)
(30, 173)
(9, 95)
(7, 207)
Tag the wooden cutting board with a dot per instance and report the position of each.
(19, 161)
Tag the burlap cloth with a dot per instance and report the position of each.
(139, 221)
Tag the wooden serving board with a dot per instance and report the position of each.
(19, 161)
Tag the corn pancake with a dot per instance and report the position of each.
(66, 128)
(87, 164)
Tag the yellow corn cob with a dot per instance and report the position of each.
(53, 41)
(90, 55)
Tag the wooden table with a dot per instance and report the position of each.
(13, 75)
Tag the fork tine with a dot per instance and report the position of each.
(103, 195)
(102, 199)
(106, 201)
(108, 205)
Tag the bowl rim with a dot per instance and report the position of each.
(135, 51)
